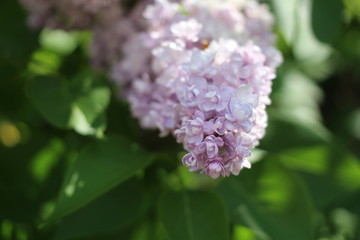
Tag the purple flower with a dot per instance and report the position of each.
(192, 92)
(190, 160)
(188, 30)
(208, 81)
(214, 168)
(194, 129)
(238, 111)
(200, 63)
(210, 146)
(220, 126)
(215, 99)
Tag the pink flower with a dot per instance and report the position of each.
(208, 78)
(188, 30)
(214, 168)
(210, 146)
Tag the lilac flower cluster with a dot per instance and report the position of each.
(202, 71)
(71, 14)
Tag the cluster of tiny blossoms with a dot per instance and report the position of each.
(202, 71)
(70, 14)
(105, 18)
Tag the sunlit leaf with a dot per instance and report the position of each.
(285, 14)
(79, 104)
(100, 167)
(353, 6)
(329, 171)
(306, 46)
(276, 206)
(58, 41)
(193, 216)
(46, 159)
(110, 213)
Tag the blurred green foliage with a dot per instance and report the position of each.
(75, 165)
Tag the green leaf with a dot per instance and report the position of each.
(288, 133)
(306, 46)
(285, 14)
(52, 98)
(100, 167)
(327, 24)
(353, 6)
(80, 104)
(193, 216)
(296, 120)
(17, 41)
(294, 20)
(271, 200)
(110, 213)
(329, 171)
(58, 41)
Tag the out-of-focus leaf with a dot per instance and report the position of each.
(296, 119)
(58, 41)
(17, 41)
(306, 46)
(353, 6)
(21, 193)
(100, 167)
(285, 14)
(329, 172)
(194, 216)
(296, 22)
(299, 97)
(44, 62)
(111, 213)
(46, 159)
(80, 104)
(350, 44)
(51, 96)
(345, 222)
(326, 24)
(151, 229)
(243, 233)
(349, 202)
(284, 133)
(276, 207)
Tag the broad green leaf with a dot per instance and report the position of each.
(52, 98)
(275, 206)
(305, 26)
(327, 24)
(100, 167)
(306, 46)
(150, 229)
(80, 104)
(284, 133)
(243, 233)
(46, 160)
(353, 6)
(58, 41)
(17, 41)
(110, 213)
(193, 216)
(285, 14)
(296, 120)
(329, 171)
